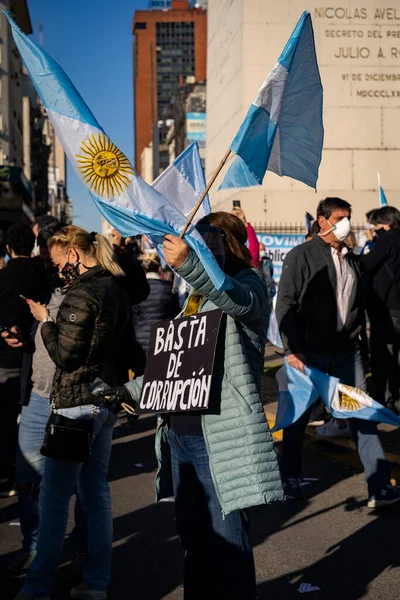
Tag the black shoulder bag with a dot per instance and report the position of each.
(67, 439)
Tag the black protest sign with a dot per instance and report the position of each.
(180, 363)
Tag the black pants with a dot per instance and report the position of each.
(349, 369)
(10, 409)
(385, 358)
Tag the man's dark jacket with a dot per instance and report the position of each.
(306, 306)
(383, 266)
(24, 276)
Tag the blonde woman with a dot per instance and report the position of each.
(82, 342)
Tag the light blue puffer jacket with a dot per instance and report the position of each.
(243, 462)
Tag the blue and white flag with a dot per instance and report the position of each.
(283, 130)
(343, 401)
(273, 334)
(296, 394)
(123, 198)
(309, 219)
(382, 198)
(183, 182)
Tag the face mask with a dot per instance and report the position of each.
(380, 232)
(70, 272)
(341, 230)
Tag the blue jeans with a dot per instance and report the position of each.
(349, 369)
(59, 481)
(29, 473)
(218, 555)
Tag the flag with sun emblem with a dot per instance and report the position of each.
(123, 198)
(298, 391)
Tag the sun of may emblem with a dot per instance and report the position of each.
(346, 402)
(103, 166)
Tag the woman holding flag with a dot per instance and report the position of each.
(221, 460)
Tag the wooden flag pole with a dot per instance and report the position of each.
(204, 194)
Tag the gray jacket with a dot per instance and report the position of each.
(242, 457)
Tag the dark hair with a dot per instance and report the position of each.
(327, 206)
(314, 229)
(371, 216)
(234, 236)
(370, 213)
(21, 239)
(46, 231)
(388, 215)
(150, 262)
(44, 221)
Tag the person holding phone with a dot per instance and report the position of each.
(83, 341)
(21, 276)
(252, 241)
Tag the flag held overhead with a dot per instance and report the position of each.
(382, 197)
(283, 130)
(123, 198)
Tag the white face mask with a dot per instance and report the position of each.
(341, 230)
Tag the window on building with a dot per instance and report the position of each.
(175, 61)
(140, 26)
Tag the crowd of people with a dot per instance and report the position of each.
(76, 308)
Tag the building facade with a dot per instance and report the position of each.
(358, 52)
(32, 161)
(16, 194)
(169, 46)
(166, 4)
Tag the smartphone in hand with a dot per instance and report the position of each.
(9, 333)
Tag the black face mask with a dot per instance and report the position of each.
(380, 232)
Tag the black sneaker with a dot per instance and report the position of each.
(389, 495)
(21, 566)
(292, 488)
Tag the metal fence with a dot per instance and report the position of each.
(296, 228)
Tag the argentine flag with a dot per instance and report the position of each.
(296, 394)
(123, 198)
(283, 130)
(382, 197)
(183, 182)
(298, 391)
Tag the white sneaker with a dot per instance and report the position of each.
(332, 429)
(84, 592)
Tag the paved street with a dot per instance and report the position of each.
(331, 541)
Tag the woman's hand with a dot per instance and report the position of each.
(176, 250)
(39, 311)
(239, 212)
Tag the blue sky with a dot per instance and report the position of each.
(92, 42)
